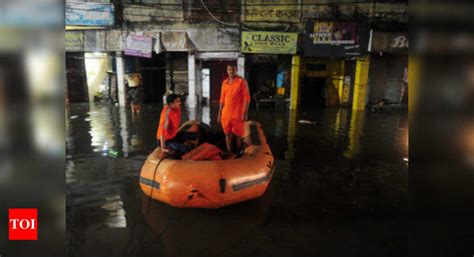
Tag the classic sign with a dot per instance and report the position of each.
(269, 42)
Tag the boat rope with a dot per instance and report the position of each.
(154, 176)
(148, 204)
(197, 193)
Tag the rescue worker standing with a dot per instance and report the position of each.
(233, 107)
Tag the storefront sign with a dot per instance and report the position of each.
(389, 42)
(140, 46)
(89, 14)
(74, 41)
(333, 33)
(335, 39)
(269, 42)
(272, 10)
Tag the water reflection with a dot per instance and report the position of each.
(116, 213)
(355, 133)
(101, 128)
(124, 131)
(467, 142)
(290, 153)
(194, 232)
(328, 172)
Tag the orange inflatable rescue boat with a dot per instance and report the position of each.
(212, 183)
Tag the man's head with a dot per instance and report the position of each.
(231, 70)
(173, 101)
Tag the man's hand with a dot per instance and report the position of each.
(164, 153)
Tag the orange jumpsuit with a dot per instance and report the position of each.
(233, 97)
(169, 123)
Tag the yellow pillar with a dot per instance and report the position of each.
(360, 84)
(295, 81)
(340, 89)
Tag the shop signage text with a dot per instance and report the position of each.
(389, 42)
(272, 10)
(269, 42)
(335, 39)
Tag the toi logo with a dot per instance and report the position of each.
(22, 224)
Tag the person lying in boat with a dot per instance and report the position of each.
(168, 127)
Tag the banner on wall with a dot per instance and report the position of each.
(89, 14)
(140, 46)
(334, 33)
(335, 39)
(269, 42)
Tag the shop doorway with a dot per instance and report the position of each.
(153, 71)
(76, 78)
(313, 93)
(217, 72)
(262, 76)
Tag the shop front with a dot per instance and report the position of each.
(331, 51)
(389, 72)
(268, 58)
(215, 48)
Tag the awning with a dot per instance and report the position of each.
(172, 41)
(218, 55)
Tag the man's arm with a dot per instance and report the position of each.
(163, 143)
(245, 113)
(165, 129)
(221, 103)
(246, 95)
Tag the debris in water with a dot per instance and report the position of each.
(307, 122)
(113, 153)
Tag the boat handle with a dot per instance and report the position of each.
(222, 184)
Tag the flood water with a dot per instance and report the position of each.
(340, 188)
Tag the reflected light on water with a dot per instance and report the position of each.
(116, 218)
(468, 143)
(101, 129)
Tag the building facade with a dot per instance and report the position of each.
(313, 53)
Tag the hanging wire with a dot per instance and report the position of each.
(221, 22)
(215, 18)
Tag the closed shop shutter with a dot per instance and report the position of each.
(386, 77)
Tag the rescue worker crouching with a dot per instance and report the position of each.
(168, 127)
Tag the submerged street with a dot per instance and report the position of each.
(340, 188)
